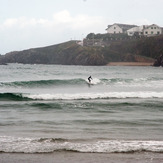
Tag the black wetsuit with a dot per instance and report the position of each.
(89, 79)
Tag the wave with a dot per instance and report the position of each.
(85, 96)
(79, 81)
(80, 96)
(134, 82)
(40, 83)
(13, 97)
(49, 145)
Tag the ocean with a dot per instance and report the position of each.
(49, 108)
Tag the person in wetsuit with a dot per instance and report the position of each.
(89, 79)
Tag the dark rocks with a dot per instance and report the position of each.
(159, 61)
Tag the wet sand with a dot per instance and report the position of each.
(130, 64)
(72, 157)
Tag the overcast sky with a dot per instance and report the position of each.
(28, 24)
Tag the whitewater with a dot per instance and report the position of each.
(49, 108)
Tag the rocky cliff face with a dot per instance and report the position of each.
(70, 53)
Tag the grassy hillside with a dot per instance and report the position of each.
(70, 53)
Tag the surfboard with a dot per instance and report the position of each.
(90, 83)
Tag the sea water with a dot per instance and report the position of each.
(48, 108)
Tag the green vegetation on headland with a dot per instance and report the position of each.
(116, 49)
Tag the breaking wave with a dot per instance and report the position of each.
(85, 96)
(79, 82)
(80, 96)
(49, 145)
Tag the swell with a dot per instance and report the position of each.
(131, 80)
(78, 81)
(50, 145)
(40, 83)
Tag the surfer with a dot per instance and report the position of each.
(89, 79)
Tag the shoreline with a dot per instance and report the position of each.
(73, 157)
(130, 64)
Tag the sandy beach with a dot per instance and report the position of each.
(130, 64)
(72, 157)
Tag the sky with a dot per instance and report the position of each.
(28, 24)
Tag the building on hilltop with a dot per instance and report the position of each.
(122, 32)
(145, 30)
(136, 30)
(131, 30)
(118, 28)
(152, 30)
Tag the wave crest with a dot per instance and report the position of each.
(13, 96)
(85, 96)
(80, 96)
(49, 145)
(81, 81)
(40, 83)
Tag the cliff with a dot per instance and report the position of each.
(70, 53)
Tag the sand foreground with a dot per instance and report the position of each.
(73, 157)
(130, 64)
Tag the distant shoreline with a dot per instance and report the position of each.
(130, 64)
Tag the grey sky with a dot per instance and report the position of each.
(34, 23)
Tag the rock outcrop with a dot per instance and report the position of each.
(159, 61)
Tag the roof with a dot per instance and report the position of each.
(137, 28)
(123, 26)
(152, 25)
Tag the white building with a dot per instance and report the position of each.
(152, 30)
(146, 30)
(118, 28)
(131, 30)
(136, 30)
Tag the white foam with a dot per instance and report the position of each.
(94, 81)
(118, 146)
(106, 95)
(29, 145)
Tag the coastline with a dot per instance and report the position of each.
(73, 157)
(130, 64)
